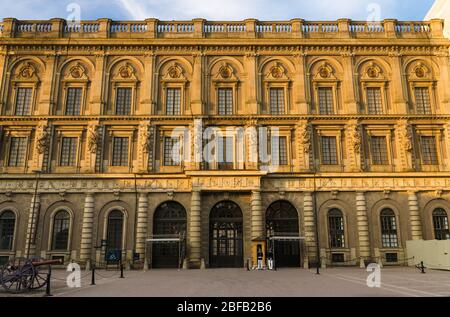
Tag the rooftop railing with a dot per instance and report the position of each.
(200, 28)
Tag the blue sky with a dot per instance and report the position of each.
(218, 9)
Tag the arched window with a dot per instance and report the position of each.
(7, 225)
(388, 229)
(61, 225)
(336, 228)
(114, 233)
(440, 224)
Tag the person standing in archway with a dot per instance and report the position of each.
(260, 257)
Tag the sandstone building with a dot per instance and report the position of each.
(336, 132)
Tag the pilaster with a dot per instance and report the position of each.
(194, 238)
(363, 227)
(87, 229)
(414, 216)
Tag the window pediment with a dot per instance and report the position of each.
(76, 73)
(325, 73)
(277, 73)
(373, 72)
(420, 72)
(175, 73)
(125, 73)
(26, 73)
(225, 74)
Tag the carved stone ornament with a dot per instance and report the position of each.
(325, 72)
(304, 135)
(354, 135)
(42, 138)
(92, 138)
(27, 71)
(144, 138)
(405, 136)
(277, 71)
(126, 71)
(225, 72)
(77, 72)
(420, 71)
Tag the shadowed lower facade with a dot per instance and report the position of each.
(223, 133)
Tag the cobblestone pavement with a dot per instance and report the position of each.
(346, 282)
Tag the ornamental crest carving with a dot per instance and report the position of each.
(304, 137)
(92, 138)
(354, 137)
(277, 72)
(42, 138)
(174, 73)
(76, 72)
(27, 72)
(405, 136)
(144, 138)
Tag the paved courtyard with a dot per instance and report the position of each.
(346, 282)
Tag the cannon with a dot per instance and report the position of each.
(21, 275)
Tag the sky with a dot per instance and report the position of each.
(216, 9)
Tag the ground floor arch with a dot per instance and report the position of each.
(282, 221)
(226, 235)
(169, 220)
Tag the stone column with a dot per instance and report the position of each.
(363, 227)
(195, 224)
(30, 243)
(46, 100)
(309, 223)
(257, 216)
(250, 62)
(414, 216)
(97, 100)
(86, 231)
(350, 104)
(141, 227)
(398, 87)
(196, 103)
(252, 159)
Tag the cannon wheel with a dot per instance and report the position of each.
(17, 275)
(40, 275)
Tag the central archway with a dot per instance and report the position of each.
(282, 220)
(226, 236)
(169, 219)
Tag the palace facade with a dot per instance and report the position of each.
(330, 139)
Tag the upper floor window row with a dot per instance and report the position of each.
(326, 88)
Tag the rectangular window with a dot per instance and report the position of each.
(328, 150)
(120, 151)
(378, 147)
(279, 150)
(225, 153)
(225, 101)
(171, 151)
(123, 101)
(429, 150)
(277, 102)
(423, 101)
(23, 101)
(73, 101)
(17, 151)
(173, 101)
(68, 151)
(326, 102)
(374, 101)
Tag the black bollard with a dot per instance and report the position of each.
(48, 292)
(121, 270)
(93, 276)
(422, 268)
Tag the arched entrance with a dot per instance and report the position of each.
(282, 220)
(169, 219)
(226, 245)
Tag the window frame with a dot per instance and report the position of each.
(67, 132)
(383, 94)
(334, 85)
(174, 85)
(51, 247)
(433, 222)
(124, 84)
(342, 234)
(17, 132)
(14, 237)
(383, 231)
(228, 86)
(431, 90)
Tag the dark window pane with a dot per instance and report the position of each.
(61, 224)
(279, 150)
(120, 151)
(328, 150)
(68, 151)
(379, 151)
(388, 229)
(225, 101)
(123, 101)
(326, 103)
(17, 151)
(336, 228)
(173, 101)
(374, 101)
(423, 103)
(225, 153)
(73, 102)
(440, 224)
(171, 151)
(277, 101)
(429, 150)
(23, 101)
(7, 225)
(114, 233)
